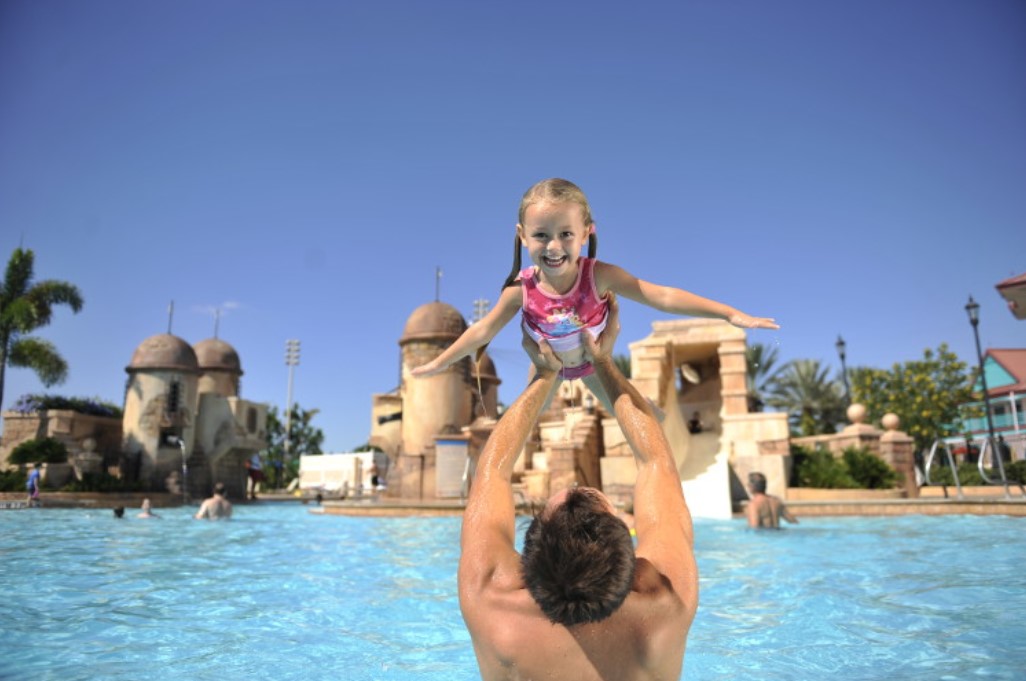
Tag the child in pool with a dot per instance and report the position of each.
(564, 293)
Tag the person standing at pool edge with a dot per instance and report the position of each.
(581, 603)
(32, 484)
(216, 507)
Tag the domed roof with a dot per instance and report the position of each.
(214, 353)
(434, 321)
(163, 351)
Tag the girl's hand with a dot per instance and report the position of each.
(745, 322)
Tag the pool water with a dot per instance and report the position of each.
(279, 593)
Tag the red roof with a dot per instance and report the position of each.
(1014, 281)
(1014, 362)
(1014, 291)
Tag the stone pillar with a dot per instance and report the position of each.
(733, 372)
(898, 449)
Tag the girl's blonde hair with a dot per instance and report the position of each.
(553, 190)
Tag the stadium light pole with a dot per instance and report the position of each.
(291, 361)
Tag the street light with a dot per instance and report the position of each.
(291, 361)
(973, 308)
(844, 369)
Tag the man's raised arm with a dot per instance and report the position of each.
(487, 539)
(661, 517)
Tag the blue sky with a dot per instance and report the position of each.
(849, 167)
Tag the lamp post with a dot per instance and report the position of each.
(291, 361)
(973, 308)
(844, 370)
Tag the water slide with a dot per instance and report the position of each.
(701, 462)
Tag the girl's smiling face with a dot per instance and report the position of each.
(553, 234)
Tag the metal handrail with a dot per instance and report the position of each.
(951, 462)
(995, 455)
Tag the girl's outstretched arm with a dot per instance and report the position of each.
(673, 300)
(478, 335)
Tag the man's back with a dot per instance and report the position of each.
(766, 510)
(643, 639)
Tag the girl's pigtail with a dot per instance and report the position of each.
(515, 272)
(592, 245)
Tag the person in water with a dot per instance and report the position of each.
(217, 507)
(581, 602)
(564, 294)
(765, 510)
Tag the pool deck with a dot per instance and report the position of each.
(997, 505)
(973, 503)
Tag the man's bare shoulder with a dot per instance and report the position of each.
(643, 639)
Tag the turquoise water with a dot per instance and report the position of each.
(280, 594)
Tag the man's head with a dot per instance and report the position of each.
(578, 559)
(219, 489)
(757, 483)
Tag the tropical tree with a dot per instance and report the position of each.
(761, 369)
(24, 307)
(813, 400)
(304, 438)
(623, 363)
(925, 394)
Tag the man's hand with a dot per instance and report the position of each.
(603, 348)
(541, 354)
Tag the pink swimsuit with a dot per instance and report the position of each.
(559, 319)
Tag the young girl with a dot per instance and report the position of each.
(564, 293)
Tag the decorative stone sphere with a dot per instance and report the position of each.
(857, 413)
(890, 421)
(88, 444)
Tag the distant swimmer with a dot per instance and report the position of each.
(216, 507)
(765, 510)
(581, 602)
(145, 511)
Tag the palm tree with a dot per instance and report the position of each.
(24, 307)
(804, 390)
(759, 365)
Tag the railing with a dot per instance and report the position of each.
(987, 448)
(928, 464)
(995, 455)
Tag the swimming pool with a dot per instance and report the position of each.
(281, 594)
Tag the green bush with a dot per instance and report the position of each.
(968, 474)
(819, 468)
(1016, 471)
(13, 480)
(28, 404)
(47, 450)
(868, 470)
(103, 482)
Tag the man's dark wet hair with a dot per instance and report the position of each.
(578, 560)
(757, 481)
(219, 488)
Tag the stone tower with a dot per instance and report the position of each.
(161, 402)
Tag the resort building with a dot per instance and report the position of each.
(185, 426)
(1005, 374)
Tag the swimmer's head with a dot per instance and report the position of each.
(757, 483)
(578, 560)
